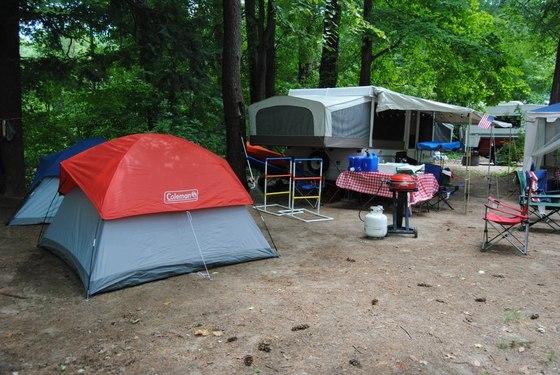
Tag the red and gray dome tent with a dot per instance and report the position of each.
(149, 206)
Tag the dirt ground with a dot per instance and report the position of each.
(397, 305)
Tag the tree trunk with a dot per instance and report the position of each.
(12, 167)
(305, 66)
(367, 58)
(261, 34)
(270, 75)
(231, 88)
(328, 70)
(555, 91)
(257, 57)
(306, 62)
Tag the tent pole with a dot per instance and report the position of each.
(509, 150)
(492, 148)
(371, 122)
(467, 162)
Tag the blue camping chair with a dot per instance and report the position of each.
(445, 191)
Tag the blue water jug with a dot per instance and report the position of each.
(370, 162)
(355, 163)
(350, 163)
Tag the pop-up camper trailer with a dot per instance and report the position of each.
(337, 122)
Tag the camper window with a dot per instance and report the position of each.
(285, 120)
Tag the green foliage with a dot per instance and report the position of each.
(109, 68)
(511, 152)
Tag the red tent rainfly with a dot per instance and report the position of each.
(119, 178)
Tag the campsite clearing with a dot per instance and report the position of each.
(334, 302)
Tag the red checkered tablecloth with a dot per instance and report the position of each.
(374, 183)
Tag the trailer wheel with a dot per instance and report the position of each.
(313, 166)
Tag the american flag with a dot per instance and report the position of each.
(485, 121)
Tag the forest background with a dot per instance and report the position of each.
(114, 67)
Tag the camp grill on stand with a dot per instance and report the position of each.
(401, 185)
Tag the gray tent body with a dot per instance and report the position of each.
(111, 254)
(40, 205)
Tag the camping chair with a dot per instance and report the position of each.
(445, 191)
(505, 220)
(539, 203)
(308, 185)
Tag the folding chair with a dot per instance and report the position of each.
(445, 191)
(505, 220)
(542, 205)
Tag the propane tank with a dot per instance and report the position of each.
(375, 222)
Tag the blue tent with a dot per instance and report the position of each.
(42, 201)
(49, 165)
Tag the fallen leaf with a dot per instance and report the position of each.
(424, 285)
(300, 327)
(201, 332)
(248, 360)
(264, 347)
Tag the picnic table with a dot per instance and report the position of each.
(374, 183)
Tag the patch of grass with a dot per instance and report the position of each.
(514, 344)
(512, 315)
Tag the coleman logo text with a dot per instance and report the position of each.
(180, 196)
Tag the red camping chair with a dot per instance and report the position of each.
(505, 220)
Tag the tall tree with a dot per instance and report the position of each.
(261, 33)
(270, 78)
(366, 54)
(555, 90)
(328, 70)
(12, 168)
(232, 95)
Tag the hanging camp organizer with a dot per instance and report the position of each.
(297, 213)
(275, 208)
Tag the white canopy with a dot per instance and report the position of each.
(542, 134)
(387, 99)
(510, 109)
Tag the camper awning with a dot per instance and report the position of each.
(387, 100)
